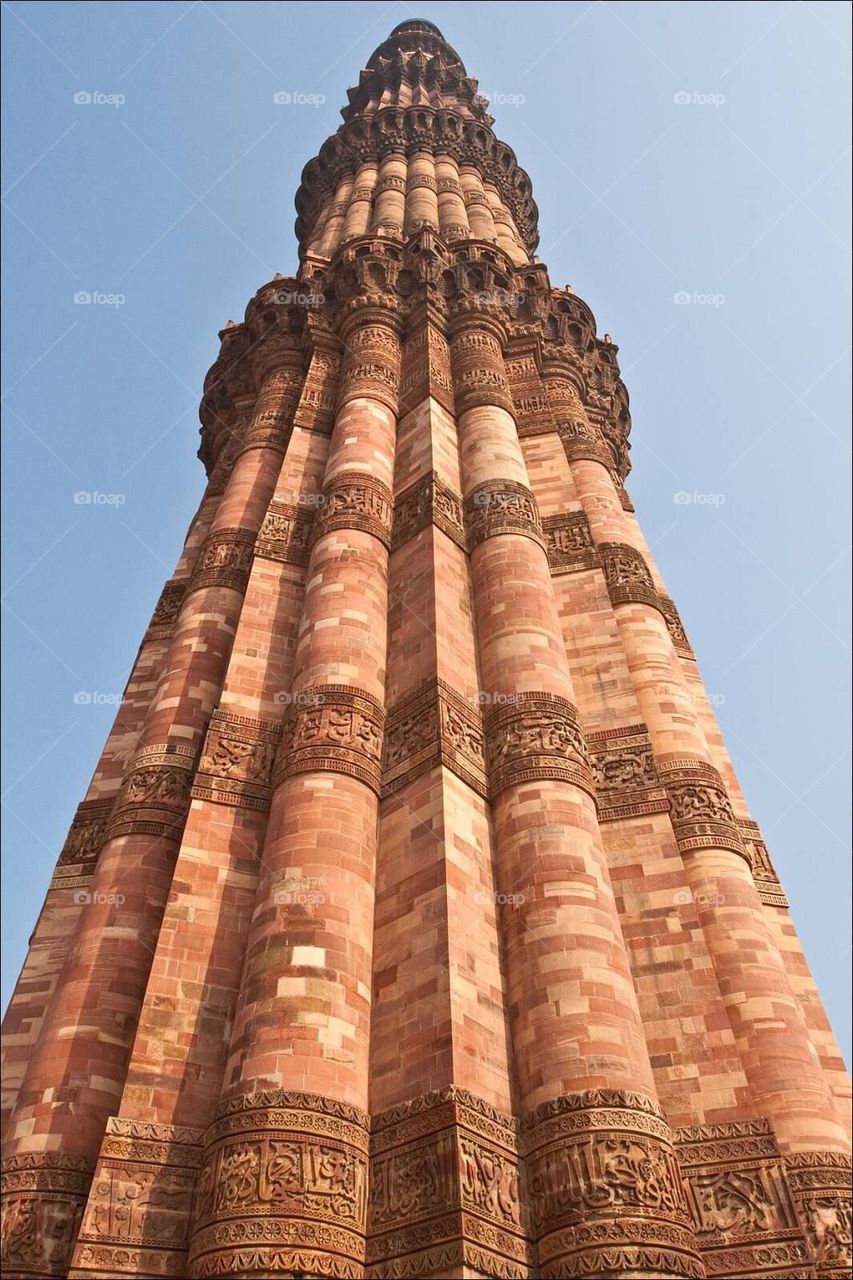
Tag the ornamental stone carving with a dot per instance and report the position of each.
(535, 736)
(739, 1198)
(429, 501)
(626, 779)
(479, 377)
(167, 608)
(501, 507)
(372, 362)
(569, 543)
(355, 500)
(43, 1198)
(700, 809)
(336, 728)
(675, 627)
(286, 534)
(604, 1184)
(236, 761)
(225, 560)
(86, 835)
(820, 1182)
(627, 575)
(155, 793)
(445, 1181)
(283, 1185)
(431, 726)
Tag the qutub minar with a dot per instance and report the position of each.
(414, 922)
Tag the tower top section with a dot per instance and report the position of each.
(414, 100)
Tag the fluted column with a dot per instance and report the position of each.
(787, 1084)
(421, 192)
(579, 1048)
(76, 1074)
(505, 232)
(357, 218)
(389, 207)
(452, 214)
(333, 228)
(480, 218)
(288, 1149)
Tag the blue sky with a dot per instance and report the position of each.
(675, 149)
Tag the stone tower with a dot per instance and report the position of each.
(414, 923)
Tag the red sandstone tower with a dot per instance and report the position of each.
(414, 923)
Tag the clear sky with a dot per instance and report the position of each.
(675, 149)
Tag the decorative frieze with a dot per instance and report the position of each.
(225, 560)
(582, 442)
(433, 726)
(316, 408)
(286, 534)
(336, 728)
(137, 1217)
(767, 883)
(85, 837)
(569, 543)
(500, 507)
(626, 779)
(283, 1188)
(535, 736)
(479, 377)
(428, 501)
(606, 1196)
(675, 627)
(155, 793)
(355, 500)
(628, 578)
(43, 1198)
(167, 608)
(700, 809)
(740, 1201)
(426, 369)
(371, 365)
(820, 1182)
(445, 1183)
(236, 761)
